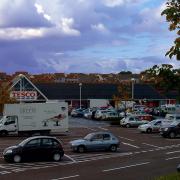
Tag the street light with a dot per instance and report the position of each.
(132, 80)
(80, 86)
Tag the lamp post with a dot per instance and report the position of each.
(132, 80)
(80, 86)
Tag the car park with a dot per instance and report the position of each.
(35, 148)
(132, 121)
(171, 130)
(96, 141)
(153, 126)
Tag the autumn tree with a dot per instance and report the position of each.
(124, 94)
(172, 13)
(5, 95)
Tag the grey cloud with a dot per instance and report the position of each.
(21, 14)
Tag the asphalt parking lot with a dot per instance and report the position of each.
(140, 156)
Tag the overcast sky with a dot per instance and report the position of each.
(83, 36)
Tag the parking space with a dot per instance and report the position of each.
(134, 145)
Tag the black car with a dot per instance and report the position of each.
(35, 148)
(171, 131)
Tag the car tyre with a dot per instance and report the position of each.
(17, 158)
(128, 125)
(113, 148)
(149, 130)
(56, 156)
(81, 149)
(3, 133)
(172, 135)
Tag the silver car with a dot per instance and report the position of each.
(153, 126)
(96, 141)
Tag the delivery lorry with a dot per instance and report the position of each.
(32, 118)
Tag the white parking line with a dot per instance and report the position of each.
(70, 158)
(4, 172)
(177, 157)
(126, 138)
(103, 128)
(90, 128)
(172, 152)
(67, 177)
(118, 168)
(130, 145)
(151, 145)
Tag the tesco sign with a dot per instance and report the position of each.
(24, 95)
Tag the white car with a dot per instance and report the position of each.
(132, 121)
(152, 126)
(110, 115)
(99, 113)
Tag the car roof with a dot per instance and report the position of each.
(35, 137)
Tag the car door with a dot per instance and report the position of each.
(156, 126)
(96, 142)
(132, 121)
(138, 121)
(31, 150)
(106, 141)
(11, 123)
(46, 148)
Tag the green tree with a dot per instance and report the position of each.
(165, 77)
(172, 13)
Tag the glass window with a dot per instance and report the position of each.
(34, 142)
(131, 119)
(55, 142)
(106, 137)
(47, 142)
(97, 137)
(10, 120)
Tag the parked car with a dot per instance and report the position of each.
(96, 141)
(88, 113)
(152, 126)
(77, 112)
(100, 113)
(35, 148)
(171, 130)
(110, 115)
(170, 118)
(132, 121)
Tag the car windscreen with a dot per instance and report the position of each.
(175, 123)
(89, 136)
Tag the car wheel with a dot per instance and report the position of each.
(81, 149)
(113, 148)
(56, 156)
(128, 125)
(149, 130)
(17, 158)
(3, 133)
(172, 135)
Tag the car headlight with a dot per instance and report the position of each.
(165, 129)
(9, 151)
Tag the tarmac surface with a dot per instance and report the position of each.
(140, 157)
